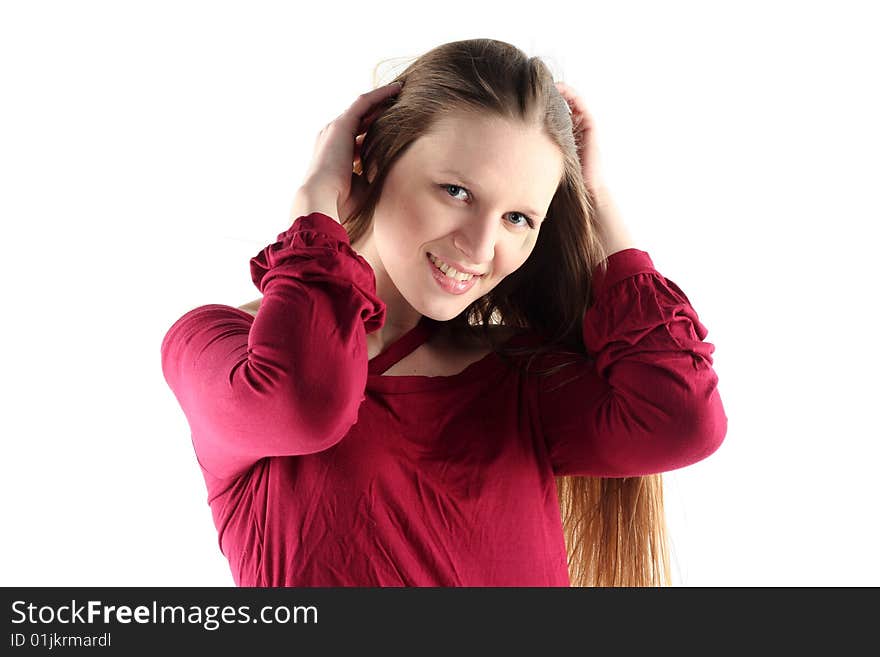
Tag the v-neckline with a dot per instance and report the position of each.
(402, 346)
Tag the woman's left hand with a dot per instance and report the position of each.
(614, 233)
(585, 136)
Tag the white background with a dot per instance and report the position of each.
(149, 150)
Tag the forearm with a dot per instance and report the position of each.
(305, 201)
(252, 306)
(308, 200)
(613, 231)
(281, 384)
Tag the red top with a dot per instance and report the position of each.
(322, 472)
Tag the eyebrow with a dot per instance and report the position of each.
(464, 179)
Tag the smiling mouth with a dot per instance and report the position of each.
(434, 260)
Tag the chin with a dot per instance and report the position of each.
(439, 316)
(444, 314)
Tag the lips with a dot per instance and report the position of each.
(450, 285)
(462, 271)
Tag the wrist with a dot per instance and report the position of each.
(600, 194)
(310, 199)
(613, 232)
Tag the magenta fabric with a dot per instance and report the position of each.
(322, 472)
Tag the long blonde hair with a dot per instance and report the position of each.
(615, 529)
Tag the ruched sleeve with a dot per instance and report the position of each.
(649, 402)
(290, 380)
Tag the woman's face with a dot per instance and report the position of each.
(472, 192)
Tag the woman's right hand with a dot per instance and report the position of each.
(329, 183)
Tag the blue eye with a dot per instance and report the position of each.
(528, 220)
(455, 187)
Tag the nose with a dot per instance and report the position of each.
(476, 240)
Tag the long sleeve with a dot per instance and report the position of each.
(649, 403)
(290, 380)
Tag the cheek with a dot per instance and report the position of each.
(519, 255)
(506, 262)
(527, 249)
(399, 239)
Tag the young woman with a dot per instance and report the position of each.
(461, 371)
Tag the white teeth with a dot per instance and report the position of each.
(451, 272)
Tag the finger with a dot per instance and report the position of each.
(360, 108)
(368, 120)
(575, 103)
(570, 95)
(372, 114)
(562, 88)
